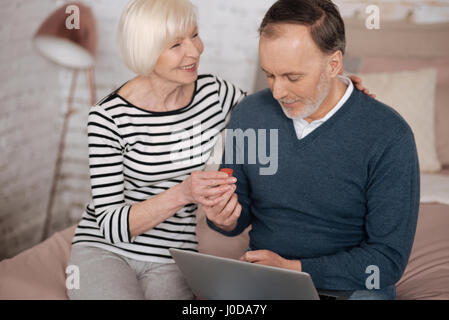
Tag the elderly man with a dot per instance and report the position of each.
(343, 202)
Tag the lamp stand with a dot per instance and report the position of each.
(58, 164)
(91, 81)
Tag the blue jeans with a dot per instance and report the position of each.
(387, 293)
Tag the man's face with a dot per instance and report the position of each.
(296, 70)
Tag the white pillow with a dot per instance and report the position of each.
(412, 94)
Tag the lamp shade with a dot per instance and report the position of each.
(70, 47)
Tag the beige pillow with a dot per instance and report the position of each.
(39, 272)
(412, 94)
(396, 64)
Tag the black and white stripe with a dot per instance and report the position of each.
(135, 154)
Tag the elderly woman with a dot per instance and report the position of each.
(148, 144)
(149, 141)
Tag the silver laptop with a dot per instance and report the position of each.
(216, 278)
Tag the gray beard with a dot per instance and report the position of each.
(312, 105)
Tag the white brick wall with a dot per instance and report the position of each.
(229, 31)
(33, 94)
(29, 106)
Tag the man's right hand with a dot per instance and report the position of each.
(226, 213)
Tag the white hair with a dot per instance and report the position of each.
(147, 26)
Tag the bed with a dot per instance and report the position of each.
(39, 273)
(399, 51)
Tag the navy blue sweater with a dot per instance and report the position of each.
(342, 199)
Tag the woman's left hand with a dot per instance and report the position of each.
(358, 84)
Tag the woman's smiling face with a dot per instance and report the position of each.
(179, 61)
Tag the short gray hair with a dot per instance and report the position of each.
(321, 16)
(147, 26)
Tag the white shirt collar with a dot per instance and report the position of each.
(301, 124)
(340, 103)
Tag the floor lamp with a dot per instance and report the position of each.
(68, 37)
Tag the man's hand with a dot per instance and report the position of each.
(226, 212)
(269, 258)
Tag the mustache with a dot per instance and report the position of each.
(290, 101)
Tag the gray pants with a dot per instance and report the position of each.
(107, 275)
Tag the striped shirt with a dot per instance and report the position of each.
(135, 154)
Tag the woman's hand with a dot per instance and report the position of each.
(358, 84)
(206, 187)
(226, 212)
